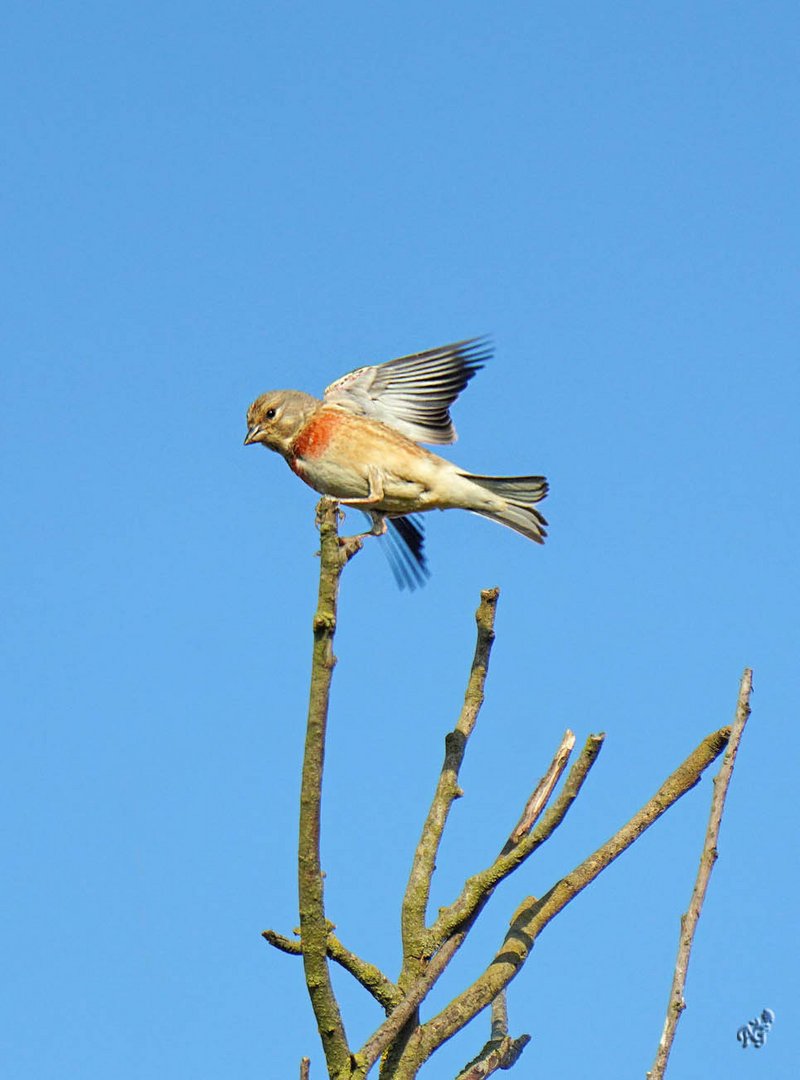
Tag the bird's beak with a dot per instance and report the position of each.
(252, 434)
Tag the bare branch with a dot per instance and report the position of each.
(479, 888)
(501, 1051)
(402, 1042)
(533, 915)
(313, 925)
(415, 992)
(282, 943)
(415, 901)
(544, 789)
(371, 977)
(499, 1019)
(708, 857)
(413, 996)
(500, 1016)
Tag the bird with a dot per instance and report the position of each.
(360, 444)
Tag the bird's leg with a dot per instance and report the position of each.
(375, 490)
(375, 495)
(379, 526)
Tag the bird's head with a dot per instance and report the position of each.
(276, 418)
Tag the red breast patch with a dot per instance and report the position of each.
(313, 440)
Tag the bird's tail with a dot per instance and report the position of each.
(520, 494)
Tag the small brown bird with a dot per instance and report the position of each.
(360, 444)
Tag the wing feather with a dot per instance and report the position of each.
(413, 394)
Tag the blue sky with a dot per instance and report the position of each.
(202, 202)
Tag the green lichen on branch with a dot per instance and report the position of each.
(313, 924)
(371, 977)
(533, 915)
(403, 1043)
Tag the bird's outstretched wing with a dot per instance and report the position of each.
(413, 394)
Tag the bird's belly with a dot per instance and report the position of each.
(331, 478)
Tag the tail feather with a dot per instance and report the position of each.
(520, 493)
(405, 551)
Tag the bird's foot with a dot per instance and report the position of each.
(379, 526)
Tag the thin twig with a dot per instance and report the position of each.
(313, 925)
(533, 915)
(282, 943)
(416, 991)
(501, 1051)
(544, 789)
(499, 1021)
(478, 889)
(708, 857)
(371, 977)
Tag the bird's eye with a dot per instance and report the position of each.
(270, 414)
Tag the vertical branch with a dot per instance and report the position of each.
(415, 901)
(313, 926)
(418, 972)
(707, 859)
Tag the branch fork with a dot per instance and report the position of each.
(403, 1042)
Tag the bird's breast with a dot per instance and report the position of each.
(323, 456)
(315, 437)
